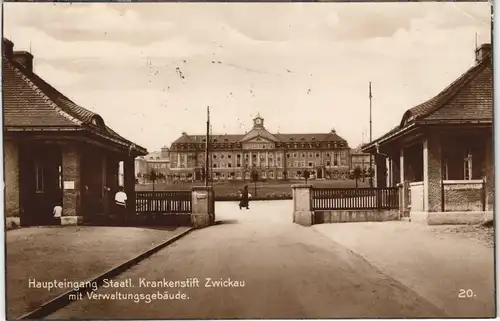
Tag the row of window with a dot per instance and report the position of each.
(278, 145)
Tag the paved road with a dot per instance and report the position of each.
(288, 271)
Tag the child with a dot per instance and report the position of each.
(57, 214)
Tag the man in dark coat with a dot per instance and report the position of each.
(244, 198)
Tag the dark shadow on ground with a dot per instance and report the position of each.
(221, 222)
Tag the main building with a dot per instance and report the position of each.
(273, 156)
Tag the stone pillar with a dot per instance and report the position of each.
(71, 173)
(178, 160)
(401, 165)
(202, 211)
(388, 172)
(489, 174)
(267, 160)
(129, 186)
(258, 159)
(12, 204)
(432, 174)
(302, 213)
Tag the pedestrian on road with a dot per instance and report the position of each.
(121, 203)
(244, 195)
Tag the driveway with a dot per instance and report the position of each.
(284, 271)
(453, 270)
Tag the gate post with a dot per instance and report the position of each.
(302, 212)
(201, 206)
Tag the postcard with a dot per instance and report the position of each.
(248, 160)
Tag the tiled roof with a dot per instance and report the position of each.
(468, 98)
(289, 138)
(318, 137)
(472, 89)
(30, 102)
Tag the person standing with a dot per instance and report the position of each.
(244, 195)
(57, 211)
(121, 203)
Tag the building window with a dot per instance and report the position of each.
(287, 155)
(310, 164)
(310, 154)
(294, 155)
(335, 159)
(296, 164)
(222, 156)
(328, 163)
(317, 155)
(445, 169)
(228, 165)
(303, 155)
(271, 175)
(215, 165)
(215, 156)
(39, 178)
(303, 163)
(229, 156)
(468, 165)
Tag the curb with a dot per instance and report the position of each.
(64, 299)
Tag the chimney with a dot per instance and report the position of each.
(8, 48)
(482, 51)
(25, 59)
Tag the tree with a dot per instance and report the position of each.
(357, 172)
(370, 173)
(232, 174)
(153, 176)
(306, 174)
(255, 177)
(189, 175)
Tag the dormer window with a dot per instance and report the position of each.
(97, 121)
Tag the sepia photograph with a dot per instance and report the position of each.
(248, 160)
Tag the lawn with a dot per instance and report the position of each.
(266, 190)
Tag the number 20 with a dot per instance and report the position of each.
(466, 293)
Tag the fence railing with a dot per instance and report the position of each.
(354, 198)
(163, 202)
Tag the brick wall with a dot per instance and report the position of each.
(11, 162)
(463, 197)
(71, 168)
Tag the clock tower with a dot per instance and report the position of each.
(258, 122)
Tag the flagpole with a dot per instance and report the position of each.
(371, 158)
(207, 146)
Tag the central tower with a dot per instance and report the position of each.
(258, 122)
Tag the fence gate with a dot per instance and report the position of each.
(354, 198)
(163, 208)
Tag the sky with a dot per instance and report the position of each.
(151, 69)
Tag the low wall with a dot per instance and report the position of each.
(444, 218)
(463, 196)
(346, 216)
(417, 196)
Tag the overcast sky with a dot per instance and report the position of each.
(151, 69)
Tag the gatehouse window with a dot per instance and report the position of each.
(468, 165)
(39, 179)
